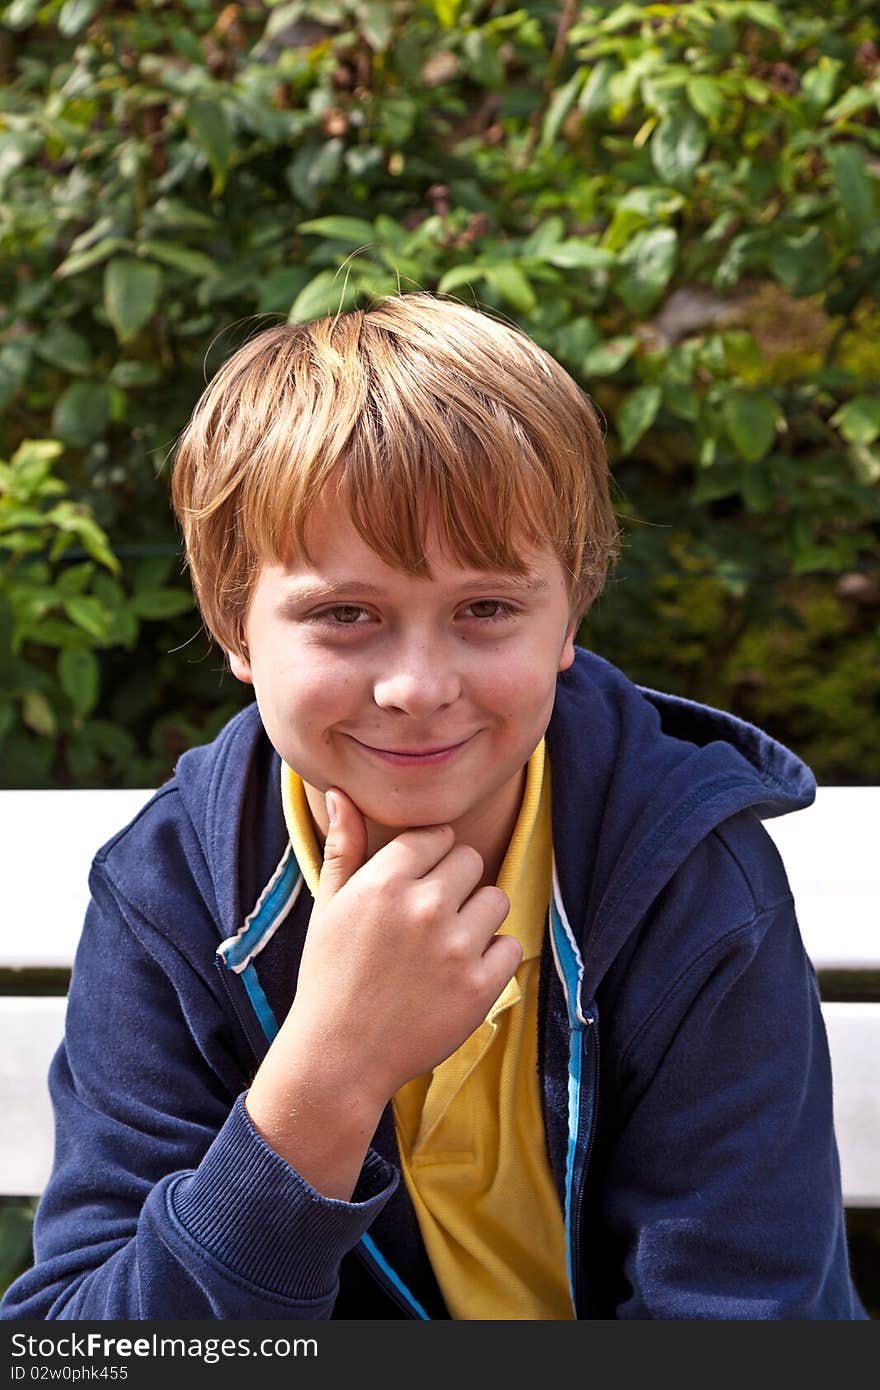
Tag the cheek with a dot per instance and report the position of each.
(313, 690)
(517, 688)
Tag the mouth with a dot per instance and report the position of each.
(414, 757)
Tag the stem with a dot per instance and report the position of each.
(566, 19)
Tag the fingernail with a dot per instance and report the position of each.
(332, 809)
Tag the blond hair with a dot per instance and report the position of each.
(415, 402)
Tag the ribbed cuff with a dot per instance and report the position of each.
(258, 1217)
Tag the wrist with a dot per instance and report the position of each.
(320, 1126)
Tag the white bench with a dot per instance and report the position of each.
(831, 852)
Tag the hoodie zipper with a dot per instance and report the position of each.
(585, 1136)
(222, 970)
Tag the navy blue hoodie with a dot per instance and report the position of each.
(685, 1076)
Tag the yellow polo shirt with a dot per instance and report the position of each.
(471, 1133)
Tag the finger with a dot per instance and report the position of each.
(456, 875)
(500, 962)
(484, 912)
(414, 853)
(345, 848)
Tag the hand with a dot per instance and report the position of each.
(401, 963)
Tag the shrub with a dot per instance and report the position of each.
(677, 201)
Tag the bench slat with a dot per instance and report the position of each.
(50, 837)
(30, 1030)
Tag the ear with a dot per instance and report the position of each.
(566, 656)
(240, 666)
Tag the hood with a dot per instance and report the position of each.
(639, 779)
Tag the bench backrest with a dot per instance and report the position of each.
(49, 837)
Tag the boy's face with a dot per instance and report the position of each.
(359, 668)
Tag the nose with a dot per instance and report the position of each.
(417, 680)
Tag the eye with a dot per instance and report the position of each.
(343, 615)
(501, 610)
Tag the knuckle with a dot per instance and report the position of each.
(471, 858)
(458, 947)
(496, 900)
(429, 904)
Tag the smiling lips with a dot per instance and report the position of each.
(416, 757)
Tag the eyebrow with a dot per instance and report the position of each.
(303, 593)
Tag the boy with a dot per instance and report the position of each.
(334, 1031)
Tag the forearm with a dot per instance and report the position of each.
(241, 1235)
(315, 1114)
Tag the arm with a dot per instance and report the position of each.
(720, 1184)
(164, 1201)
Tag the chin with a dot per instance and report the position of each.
(413, 817)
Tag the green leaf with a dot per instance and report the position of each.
(750, 418)
(637, 415)
(160, 603)
(88, 613)
(447, 12)
(541, 240)
(74, 16)
(209, 126)
(595, 98)
(82, 413)
(482, 58)
(179, 257)
(854, 188)
(130, 375)
(461, 275)
(62, 347)
(802, 263)
(21, 13)
(763, 13)
(645, 268)
(706, 97)
(575, 340)
(34, 457)
(559, 106)
(38, 714)
(865, 464)
(579, 254)
(514, 286)
(330, 292)
(278, 290)
(818, 83)
(756, 489)
(84, 260)
(79, 675)
(677, 146)
(608, 357)
(15, 359)
(853, 100)
(314, 167)
(354, 231)
(859, 420)
(131, 293)
(377, 23)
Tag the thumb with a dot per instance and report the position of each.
(345, 847)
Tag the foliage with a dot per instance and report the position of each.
(55, 618)
(677, 201)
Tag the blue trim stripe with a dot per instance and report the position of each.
(370, 1246)
(570, 967)
(270, 911)
(574, 1115)
(259, 1002)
